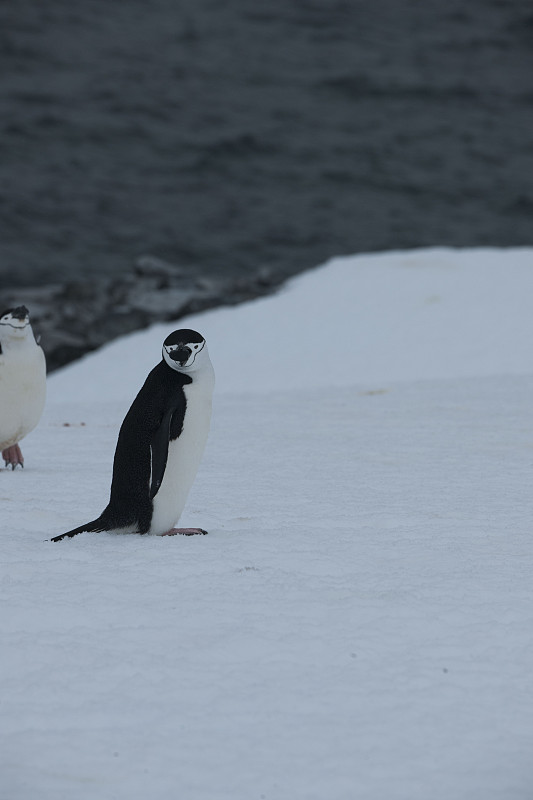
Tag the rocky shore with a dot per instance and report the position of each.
(76, 317)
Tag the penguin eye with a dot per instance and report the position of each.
(196, 347)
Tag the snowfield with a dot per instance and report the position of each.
(358, 625)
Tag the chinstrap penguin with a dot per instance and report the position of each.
(22, 383)
(160, 443)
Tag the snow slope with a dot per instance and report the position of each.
(358, 623)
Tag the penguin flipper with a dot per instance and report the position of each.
(159, 450)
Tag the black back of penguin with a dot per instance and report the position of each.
(155, 417)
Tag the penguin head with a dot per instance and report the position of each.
(14, 322)
(185, 350)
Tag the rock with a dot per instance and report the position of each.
(168, 304)
(153, 267)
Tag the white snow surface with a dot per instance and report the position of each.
(358, 624)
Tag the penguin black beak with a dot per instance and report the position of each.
(21, 312)
(182, 354)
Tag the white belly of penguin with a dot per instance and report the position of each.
(22, 393)
(184, 456)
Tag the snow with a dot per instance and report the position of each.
(358, 622)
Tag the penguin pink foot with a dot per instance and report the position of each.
(13, 457)
(184, 531)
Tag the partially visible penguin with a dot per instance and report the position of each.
(160, 443)
(22, 383)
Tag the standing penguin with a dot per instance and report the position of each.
(160, 443)
(22, 383)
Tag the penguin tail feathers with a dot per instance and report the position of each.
(96, 526)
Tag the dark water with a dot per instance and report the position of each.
(226, 136)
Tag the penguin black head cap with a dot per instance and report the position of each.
(20, 312)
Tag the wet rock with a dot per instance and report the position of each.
(167, 303)
(153, 267)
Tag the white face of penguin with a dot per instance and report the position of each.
(14, 323)
(185, 350)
